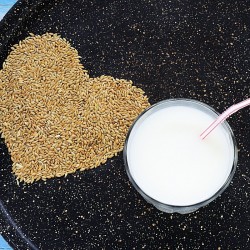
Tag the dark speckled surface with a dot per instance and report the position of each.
(191, 49)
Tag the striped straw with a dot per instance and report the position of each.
(221, 118)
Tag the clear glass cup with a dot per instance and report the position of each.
(204, 108)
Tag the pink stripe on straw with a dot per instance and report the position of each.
(221, 118)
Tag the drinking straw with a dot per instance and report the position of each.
(231, 110)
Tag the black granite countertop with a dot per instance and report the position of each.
(171, 48)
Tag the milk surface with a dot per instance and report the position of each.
(171, 164)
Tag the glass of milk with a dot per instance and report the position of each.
(170, 165)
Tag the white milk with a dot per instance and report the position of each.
(171, 164)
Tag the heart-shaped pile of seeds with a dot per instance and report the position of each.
(54, 118)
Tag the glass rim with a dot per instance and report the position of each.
(195, 206)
